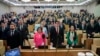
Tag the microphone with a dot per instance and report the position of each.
(57, 44)
(33, 53)
(43, 36)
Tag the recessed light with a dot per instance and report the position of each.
(48, 0)
(70, 0)
(26, 0)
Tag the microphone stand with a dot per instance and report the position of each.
(67, 52)
(33, 53)
(43, 36)
(57, 44)
(44, 49)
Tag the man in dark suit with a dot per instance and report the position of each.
(56, 37)
(22, 28)
(91, 29)
(62, 27)
(65, 20)
(76, 24)
(30, 21)
(98, 26)
(83, 25)
(68, 21)
(13, 37)
(14, 19)
(3, 31)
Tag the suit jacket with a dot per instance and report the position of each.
(98, 27)
(67, 21)
(45, 31)
(3, 34)
(23, 32)
(47, 21)
(14, 20)
(90, 30)
(14, 40)
(31, 22)
(62, 30)
(84, 28)
(76, 26)
(56, 38)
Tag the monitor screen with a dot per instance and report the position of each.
(13, 52)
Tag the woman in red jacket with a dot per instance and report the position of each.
(39, 38)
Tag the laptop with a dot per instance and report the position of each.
(13, 52)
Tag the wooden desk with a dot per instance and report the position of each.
(60, 52)
(88, 43)
(98, 51)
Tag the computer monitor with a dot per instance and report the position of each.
(13, 52)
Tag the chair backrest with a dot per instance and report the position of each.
(31, 28)
(66, 27)
(84, 37)
(97, 35)
(79, 32)
(1, 42)
(96, 41)
(79, 39)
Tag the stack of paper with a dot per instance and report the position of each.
(89, 54)
(81, 54)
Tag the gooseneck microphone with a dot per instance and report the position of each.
(43, 36)
(57, 44)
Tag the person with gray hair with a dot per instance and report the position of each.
(43, 23)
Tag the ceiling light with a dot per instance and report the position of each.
(71, 4)
(70, 0)
(26, 0)
(48, 0)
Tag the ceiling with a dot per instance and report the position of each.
(45, 3)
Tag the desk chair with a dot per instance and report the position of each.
(2, 48)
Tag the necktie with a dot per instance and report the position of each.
(21, 27)
(57, 30)
(3, 29)
(82, 27)
(99, 23)
(30, 19)
(12, 33)
(76, 25)
(92, 25)
(61, 26)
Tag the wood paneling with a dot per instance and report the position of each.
(61, 53)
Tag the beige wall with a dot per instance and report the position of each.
(4, 8)
(74, 9)
(94, 8)
(91, 8)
